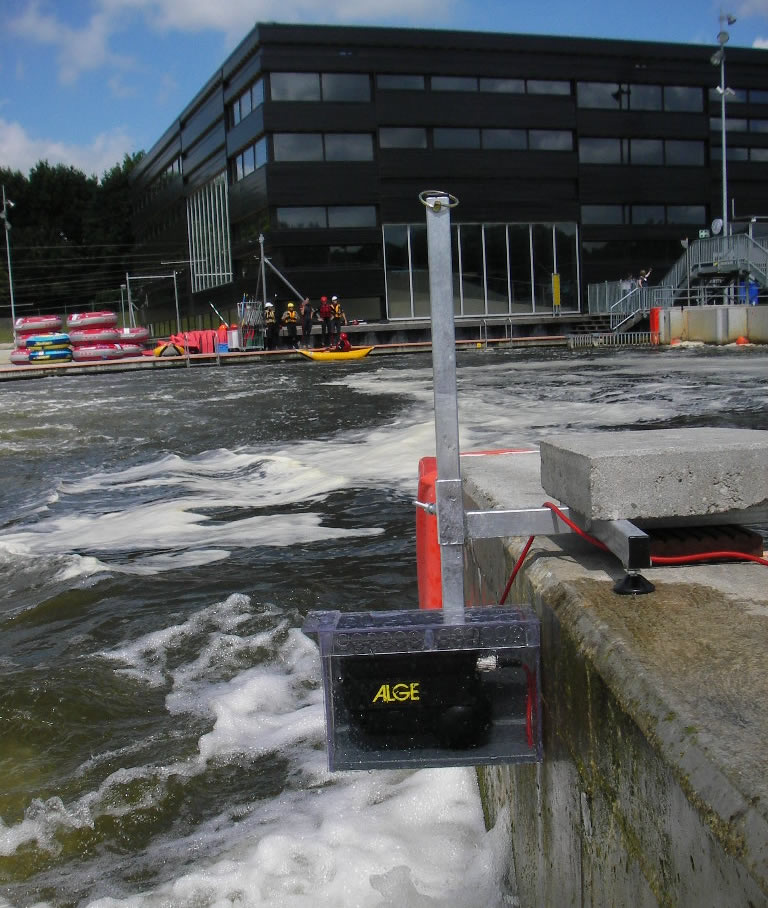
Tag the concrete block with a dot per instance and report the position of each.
(657, 474)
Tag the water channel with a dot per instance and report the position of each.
(162, 537)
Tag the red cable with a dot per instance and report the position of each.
(515, 569)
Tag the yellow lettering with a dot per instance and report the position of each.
(400, 692)
(397, 692)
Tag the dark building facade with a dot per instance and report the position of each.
(583, 159)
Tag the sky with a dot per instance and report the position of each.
(84, 82)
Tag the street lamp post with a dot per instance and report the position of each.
(718, 59)
(4, 215)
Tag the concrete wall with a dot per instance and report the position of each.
(714, 324)
(653, 786)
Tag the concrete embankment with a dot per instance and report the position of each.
(714, 324)
(654, 784)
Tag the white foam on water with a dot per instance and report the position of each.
(395, 839)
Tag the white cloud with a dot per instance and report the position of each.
(86, 47)
(761, 43)
(20, 151)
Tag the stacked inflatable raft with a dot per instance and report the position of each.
(89, 337)
(40, 340)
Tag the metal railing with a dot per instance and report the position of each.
(621, 339)
(711, 257)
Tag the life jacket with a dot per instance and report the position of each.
(338, 312)
(326, 311)
(270, 316)
(290, 316)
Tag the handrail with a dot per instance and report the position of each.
(722, 254)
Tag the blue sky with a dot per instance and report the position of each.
(82, 82)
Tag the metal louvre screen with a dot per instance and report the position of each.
(208, 231)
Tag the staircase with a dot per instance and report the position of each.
(709, 271)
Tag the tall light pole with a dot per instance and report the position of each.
(718, 59)
(4, 215)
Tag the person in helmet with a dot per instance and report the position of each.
(325, 312)
(343, 344)
(291, 321)
(338, 318)
(270, 324)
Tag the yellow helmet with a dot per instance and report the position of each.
(290, 305)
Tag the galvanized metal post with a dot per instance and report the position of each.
(448, 494)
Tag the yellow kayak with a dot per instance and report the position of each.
(331, 355)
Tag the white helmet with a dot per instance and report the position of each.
(269, 305)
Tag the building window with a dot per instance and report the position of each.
(683, 98)
(298, 146)
(645, 97)
(388, 82)
(686, 214)
(314, 146)
(302, 218)
(295, 86)
(732, 124)
(601, 151)
(506, 139)
(349, 147)
(357, 254)
(550, 140)
(648, 214)
(622, 96)
(402, 137)
(249, 159)
(681, 152)
(758, 125)
(758, 154)
(351, 215)
(739, 96)
(208, 234)
(646, 151)
(454, 83)
(458, 137)
(547, 87)
(504, 86)
(322, 216)
(758, 96)
(602, 214)
(345, 87)
(247, 101)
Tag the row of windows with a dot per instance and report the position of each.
(737, 153)
(742, 96)
(623, 96)
(249, 159)
(308, 216)
(738, 124)
(286, 86)
(673, 152)
(171, 172)
(463, 137)
(330, 256)
(643, 214)
(246, 101)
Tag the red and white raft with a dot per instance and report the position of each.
(99, 319)
(37, 324)
(100, 352)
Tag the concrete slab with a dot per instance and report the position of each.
(656, 474)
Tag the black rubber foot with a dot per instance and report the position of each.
(633, 585)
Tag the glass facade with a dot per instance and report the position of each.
(499, 269)
(210, 251)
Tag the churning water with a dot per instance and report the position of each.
(162, 537)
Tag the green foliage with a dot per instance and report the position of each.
(71, 236)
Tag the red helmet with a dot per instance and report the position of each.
(323, 299)
(344, 337)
